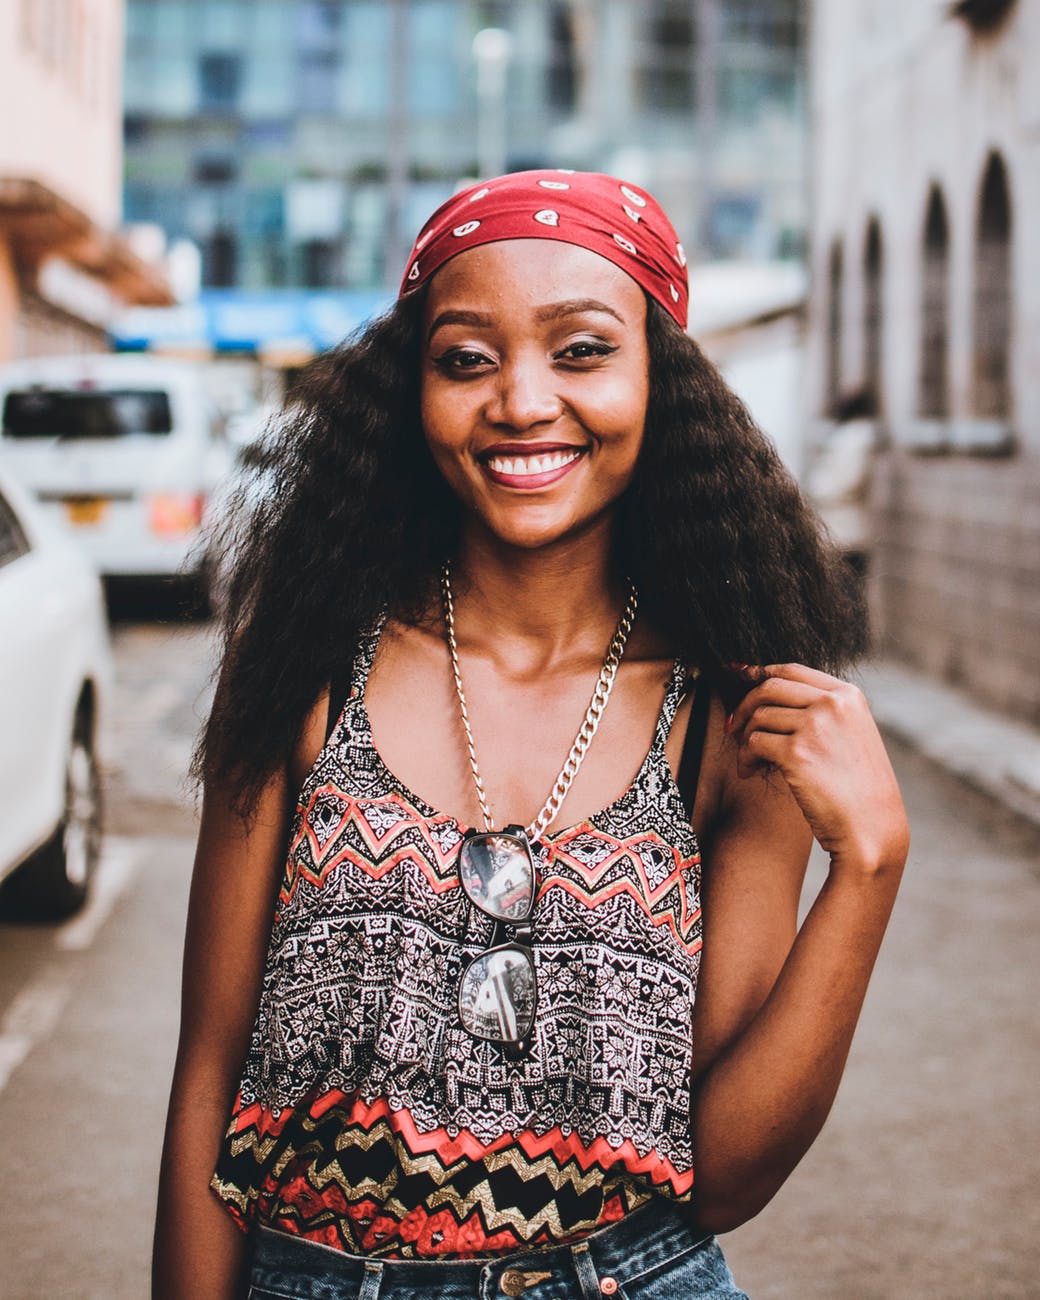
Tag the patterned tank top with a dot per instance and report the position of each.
(368, 1120)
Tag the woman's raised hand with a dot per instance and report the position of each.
(817, 731)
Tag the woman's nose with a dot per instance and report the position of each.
(525, 394)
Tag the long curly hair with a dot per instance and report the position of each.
(342, 513)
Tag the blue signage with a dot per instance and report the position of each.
(241, 320)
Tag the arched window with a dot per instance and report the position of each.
(991, 388)
(933, 393)
(982, 15)
(835, 305)
(873, 308)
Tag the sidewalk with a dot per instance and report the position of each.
(989, 752)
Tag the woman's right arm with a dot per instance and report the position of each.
(198, 1251)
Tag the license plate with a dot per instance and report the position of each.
(84, 512)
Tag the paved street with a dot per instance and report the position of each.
(923, 1183)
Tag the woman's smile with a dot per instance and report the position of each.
(529, 466)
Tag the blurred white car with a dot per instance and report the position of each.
(126, 451)
(55, 679)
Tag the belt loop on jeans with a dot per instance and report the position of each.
(372, 1280)
(591, 1286)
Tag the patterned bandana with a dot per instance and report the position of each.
(624, 224)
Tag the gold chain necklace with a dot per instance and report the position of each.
(590, 723)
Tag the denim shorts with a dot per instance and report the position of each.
(651, 1254)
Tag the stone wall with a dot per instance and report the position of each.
(914, 108)
(955, 581)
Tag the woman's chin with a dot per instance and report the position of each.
(534, 533)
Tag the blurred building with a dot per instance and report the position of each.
(301, 143)
(926, 299)
(64, 270)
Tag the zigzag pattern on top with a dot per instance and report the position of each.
(471, 1192)
(378, 823)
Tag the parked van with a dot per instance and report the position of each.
(125, 449)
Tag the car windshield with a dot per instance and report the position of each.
(93, 413)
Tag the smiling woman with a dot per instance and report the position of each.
(484, 701)
(527, 385)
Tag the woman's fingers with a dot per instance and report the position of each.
(761, 750)
(817, 731)
(771, 717)
(800, 673)
(777, 692)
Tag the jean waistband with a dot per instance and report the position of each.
(654, 1234)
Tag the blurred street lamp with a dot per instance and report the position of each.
(492, 49)
(395, 238)
(184, 267)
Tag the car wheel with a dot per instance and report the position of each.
(55, 881)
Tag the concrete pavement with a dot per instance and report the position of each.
(994, 755)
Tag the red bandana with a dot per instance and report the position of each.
(624, 224)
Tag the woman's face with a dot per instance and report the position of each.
(535, 377)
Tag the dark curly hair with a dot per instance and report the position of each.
(342, 513)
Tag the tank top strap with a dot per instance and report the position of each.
(365, 656)
(678, 685)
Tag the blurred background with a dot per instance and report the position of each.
(199, 196)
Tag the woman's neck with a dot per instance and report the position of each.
(546, 605)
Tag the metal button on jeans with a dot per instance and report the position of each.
(513, 1282)
(609, 1286)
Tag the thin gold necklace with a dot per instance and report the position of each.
(590, 723)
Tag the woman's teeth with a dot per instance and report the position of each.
(528, 465)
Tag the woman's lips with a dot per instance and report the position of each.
(532, 469)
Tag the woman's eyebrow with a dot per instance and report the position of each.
(457, 318)
(552, 311)
(575, 307)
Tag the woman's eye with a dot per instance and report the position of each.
(585, 350)
(461, 359)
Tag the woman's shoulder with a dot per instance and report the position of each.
(313, 733)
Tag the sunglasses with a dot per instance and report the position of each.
(498, 993)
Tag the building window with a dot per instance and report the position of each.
(220, 76)
(982, 15)
(732, 222)
(933, 395)
(317, 81)
(775, 25)
(561, 70)
(219, 260)
(991, 388)
(318, 31)
(493, 13)
(835, 308)
(666, 80)
(318, 23)
(214, 169)
(321, 263)
(135, 128)
(873, 316)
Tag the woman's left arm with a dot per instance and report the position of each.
(776, 1010)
